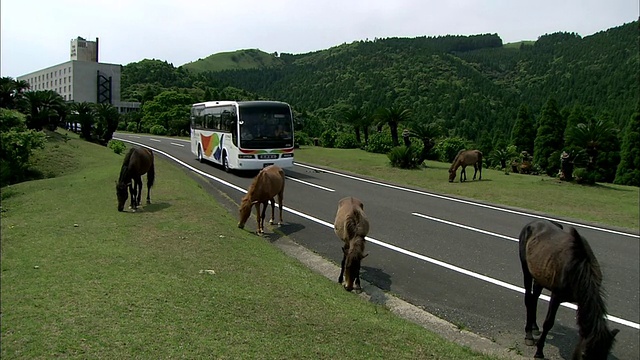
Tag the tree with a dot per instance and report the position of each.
(427, 132)
(548, 142)
(17, 144)
(353, 116)
(504, 155)
(393, 116)
(628, 172)
(524, 130)
(83, 113)
(591, 136)
(107, 122)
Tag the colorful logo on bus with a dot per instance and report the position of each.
(211, 145)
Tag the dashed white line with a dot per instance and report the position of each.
(156, 140)
(181, 145)
(310, 184)
(465, 227)
(467, 202)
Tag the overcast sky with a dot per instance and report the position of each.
(36, 34)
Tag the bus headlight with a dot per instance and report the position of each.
(241, 156)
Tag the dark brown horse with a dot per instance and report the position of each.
(137, 162)
(265, 186)
(352, 226)
(562, 261)
(465, 158)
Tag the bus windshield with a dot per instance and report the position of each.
(265, 127)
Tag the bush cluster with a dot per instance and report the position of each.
(117, 146)
(405, 157)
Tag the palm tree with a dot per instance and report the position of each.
(53, 108)
(427, 132)
(83, 113)
(365, 122)
(591, 136)
(503, 155)
(108, 118)
(393, 116)
(7, 92)
(353, 116)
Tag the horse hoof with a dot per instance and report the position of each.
(536, 332)
(529, 342)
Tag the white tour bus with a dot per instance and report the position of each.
(243, 135)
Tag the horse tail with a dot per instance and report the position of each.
(480, 160)
(588, 280)
(124, 171)
(151, 175)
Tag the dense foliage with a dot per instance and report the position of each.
(17, 144)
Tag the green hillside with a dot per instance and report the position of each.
(471, 86)
(234, 60)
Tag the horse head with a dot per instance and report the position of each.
(452, 174)
(122, 194)
(354, 256)
(595, 347)
(245, 210)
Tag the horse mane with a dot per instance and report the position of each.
(587, 280)
(455, 159)
(124, 171)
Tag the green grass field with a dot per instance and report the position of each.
(81, 280)
(606, 204)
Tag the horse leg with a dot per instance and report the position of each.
(148, 192)
(260, 218)
(280, 196)
(554, 303)
(132, 191)
(531, 305)
(139, 187)
(273, 210)
(345, 248)
(475, 170)
(463, 172)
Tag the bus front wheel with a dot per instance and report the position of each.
(225, 163)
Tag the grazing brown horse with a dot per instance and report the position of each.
(137, 162)
(465, 158)
(265, 186)
(562, 261)
(351, 226)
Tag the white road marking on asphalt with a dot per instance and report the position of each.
(181, 145)
(465, 227)
(468, 202)
(156, 140)
(389, 246)
(310, 184)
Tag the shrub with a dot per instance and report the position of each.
(346, 141)
(301, 138)
(584, 176)
(328, 138)
(117, 146)
(404, 157)
(447, 148)
(379, 143)
(132, 127)
(17, 144)
(158, 130)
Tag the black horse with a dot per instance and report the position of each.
(137, 162)
(562, 261)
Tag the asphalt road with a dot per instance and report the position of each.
(456, 259)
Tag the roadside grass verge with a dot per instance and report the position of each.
(81, 280)
(607, 204)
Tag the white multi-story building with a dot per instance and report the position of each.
(83, 78)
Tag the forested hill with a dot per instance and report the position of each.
(473, 83)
